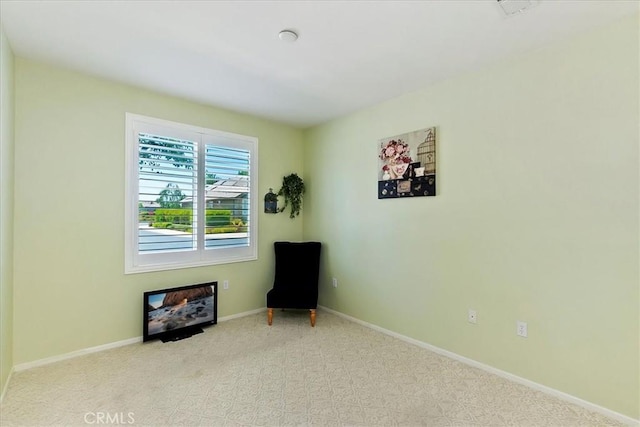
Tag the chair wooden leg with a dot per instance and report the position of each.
(269, 316)
(312, 315)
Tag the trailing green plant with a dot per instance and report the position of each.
(292, 190)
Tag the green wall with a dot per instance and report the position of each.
(6, 210)
(70, 290)
(536, 217)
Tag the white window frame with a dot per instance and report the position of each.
(140, 263)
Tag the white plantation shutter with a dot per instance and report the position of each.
(227, 189)
(167, 175)
(191, 196)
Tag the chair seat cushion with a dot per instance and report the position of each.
(291, 298)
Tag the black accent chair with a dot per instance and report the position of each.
(296, 278)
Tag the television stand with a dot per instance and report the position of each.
(182, 334)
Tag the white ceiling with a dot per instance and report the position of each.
(350, 54)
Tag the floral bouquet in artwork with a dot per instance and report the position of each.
(396, 158)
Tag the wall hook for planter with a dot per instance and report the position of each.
(271, 202)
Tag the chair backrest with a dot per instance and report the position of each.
(297, 265)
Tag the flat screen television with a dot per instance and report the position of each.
(176, 313)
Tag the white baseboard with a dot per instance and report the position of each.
(548, 390)
(243, 314)
(82, 352)
(77, 353)
(6, 385)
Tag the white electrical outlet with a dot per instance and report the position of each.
(225, 284)
(334, 282)
(472, 316)
(522, 329)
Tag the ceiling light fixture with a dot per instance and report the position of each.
(288, 35)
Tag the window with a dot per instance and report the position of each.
(190, 196)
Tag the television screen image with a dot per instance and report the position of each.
(177, 313)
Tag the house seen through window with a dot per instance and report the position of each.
(191, 196)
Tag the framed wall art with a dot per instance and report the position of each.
(407, 165)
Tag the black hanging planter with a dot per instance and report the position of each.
(271, 202)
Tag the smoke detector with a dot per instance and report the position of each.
(288, 36)
(514, 7)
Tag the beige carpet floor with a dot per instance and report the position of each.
(244, 373)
